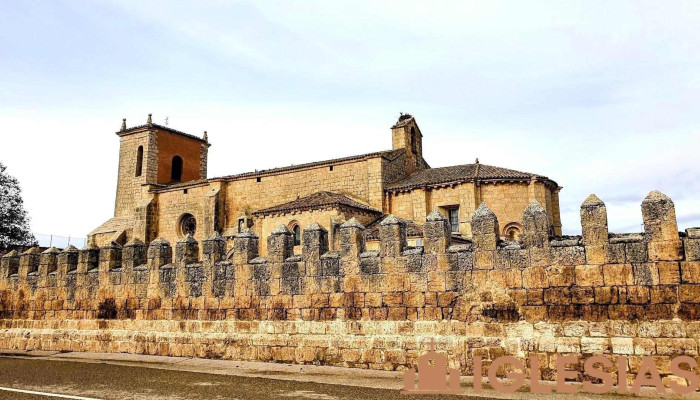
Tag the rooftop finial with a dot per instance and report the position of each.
(477, 160)
(205, 137)
(123, 124)
(150, 121)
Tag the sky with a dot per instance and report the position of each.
(601, 96)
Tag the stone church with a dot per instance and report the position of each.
(163, 191)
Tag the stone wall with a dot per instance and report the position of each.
(625, 295)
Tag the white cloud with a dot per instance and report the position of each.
(600, 96)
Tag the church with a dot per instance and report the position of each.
(163, 192)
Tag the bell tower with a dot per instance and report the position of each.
(152, 154)
(406, 134)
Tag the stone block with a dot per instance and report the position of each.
(691, 246)
(557, 296)
(606, 295)
(618, 275)
(535, 277)
(638, 294)
(690, 272)
(583, 295)
(646, 274)
(561, 275)
(689, 293)
(589, 275)
(664, 294)
(669, 273)
(534, 297)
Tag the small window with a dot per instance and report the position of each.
(139, 161)
(258, 180)
(297, 235)
(241, 225)
(330, 168)
(176, 170)
(454, 220)
(184, 191)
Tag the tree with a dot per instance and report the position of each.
(14, 222)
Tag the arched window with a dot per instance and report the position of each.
(297, 235)
(139, 161)
(512, 231)
(176, 169)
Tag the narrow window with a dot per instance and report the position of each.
(414, 147)
(330, 168)
(184, 191)
(176, 169)
(258, 180)
(139, 161)
(454, 219)
(297, 235)
(241, 221)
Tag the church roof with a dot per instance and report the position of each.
(163, 128)
(388, 154)
(317, 200)
(462, 173)
(113, 225)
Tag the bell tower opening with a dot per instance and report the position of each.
(176, 169)
(139, 161)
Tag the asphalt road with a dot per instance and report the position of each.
(107, 381)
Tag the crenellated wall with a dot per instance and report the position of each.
(620, 294)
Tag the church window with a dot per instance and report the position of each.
(139, 161)
(241, 224)
(454, 219)
(188, 225)
(297, 235)
(511, 231)
(176, 169)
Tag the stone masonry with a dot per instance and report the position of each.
(628, 295)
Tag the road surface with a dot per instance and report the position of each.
(107, 381)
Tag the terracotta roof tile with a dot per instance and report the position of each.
(317, 200)
(460, 173)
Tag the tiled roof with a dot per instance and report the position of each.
(113, 225)
(317, 200)
(461, 173)
(164, 128)
(389, 154)
(412, 228)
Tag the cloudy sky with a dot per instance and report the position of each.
(602, 96)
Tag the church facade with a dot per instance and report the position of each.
(163, 191)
